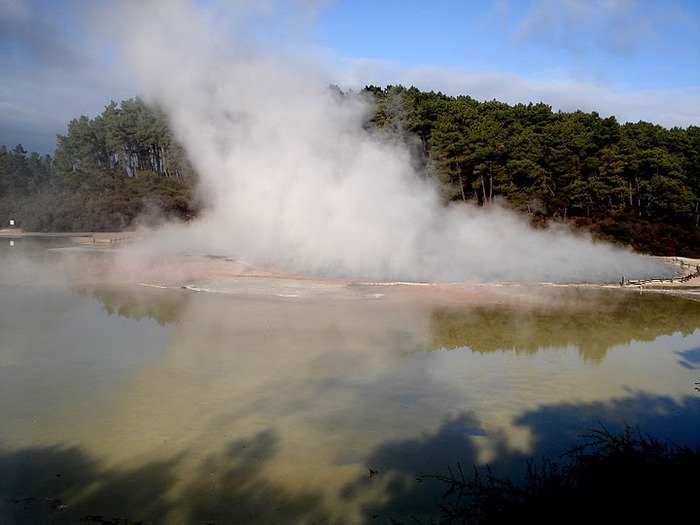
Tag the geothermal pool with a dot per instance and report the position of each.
(192, 397)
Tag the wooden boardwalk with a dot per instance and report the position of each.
(687, 272)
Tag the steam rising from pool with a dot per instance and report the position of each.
(293, 180)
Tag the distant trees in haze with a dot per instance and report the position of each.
(106, 174)
(634, 183)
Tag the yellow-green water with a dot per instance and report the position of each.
(175, 406)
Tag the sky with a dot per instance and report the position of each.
(290, 176)
(635, 60)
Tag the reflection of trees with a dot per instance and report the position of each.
(56, 485)
(592, 320)
(61, 485)
(408, 465)
(237, 490)
(164, 306)
(401, 465)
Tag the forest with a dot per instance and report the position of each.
(114, 172)
(636, 184)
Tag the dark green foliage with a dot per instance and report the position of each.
(133, 202)
(626, 477)
(130, 137)
(636, 183)
(114, 172)
(21, 175)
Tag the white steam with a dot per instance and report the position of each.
(294, 181)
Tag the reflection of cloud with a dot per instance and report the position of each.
(294, 400)
(664, 417)
(67, 485)
(690, 358)
(234, 484)
(557, 428)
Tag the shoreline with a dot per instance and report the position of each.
(93, 237)
(686, 275)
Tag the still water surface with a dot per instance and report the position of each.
(259, 405)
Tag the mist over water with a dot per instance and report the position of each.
(293, 180)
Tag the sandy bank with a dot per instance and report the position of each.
(80, 237)
(686, 273)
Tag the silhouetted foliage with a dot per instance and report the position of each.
(627, 476)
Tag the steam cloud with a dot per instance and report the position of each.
(294, 181)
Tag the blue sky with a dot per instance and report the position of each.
(636, 60)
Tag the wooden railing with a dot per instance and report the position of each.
(693, 272)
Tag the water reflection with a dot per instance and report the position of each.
(174, 406)
(594, 321)
(164, 306)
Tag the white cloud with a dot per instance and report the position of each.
(581, 26)
(53, 71)
(671, 107)
(50, 76)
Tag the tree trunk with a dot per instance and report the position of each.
(639, 196)
(631, 195)
(483, 189)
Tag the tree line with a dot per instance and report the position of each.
(108, 173)
(635, 183)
